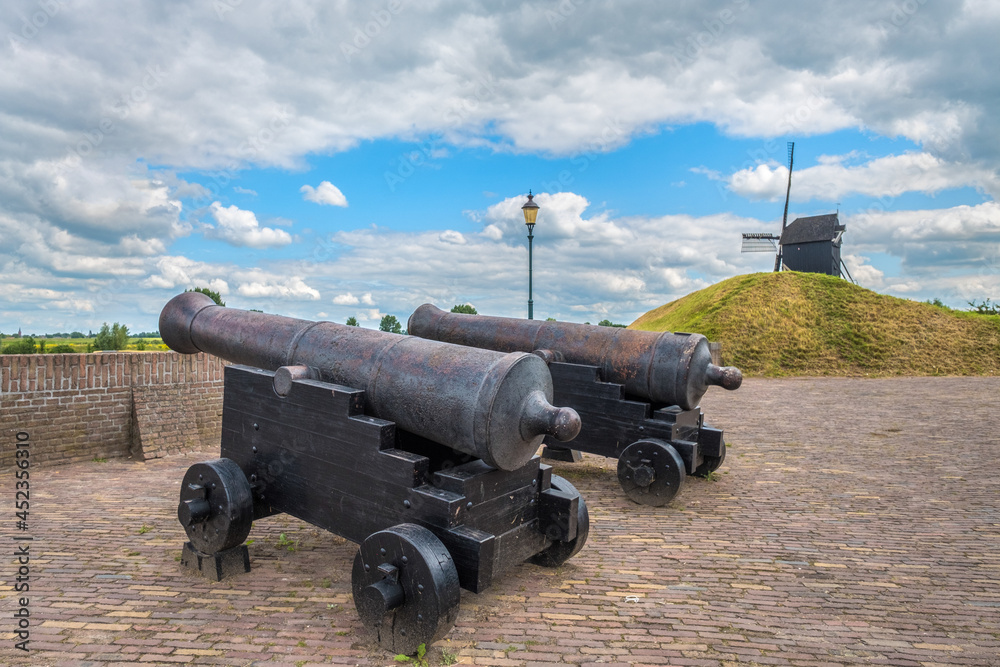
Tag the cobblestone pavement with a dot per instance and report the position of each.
(853, 522)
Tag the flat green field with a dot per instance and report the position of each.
(83, 344)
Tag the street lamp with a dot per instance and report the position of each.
(530, 210)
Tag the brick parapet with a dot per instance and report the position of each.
(79, 407)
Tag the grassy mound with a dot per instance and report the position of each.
(789, 323)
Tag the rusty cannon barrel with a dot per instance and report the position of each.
(488, 404)
(662, 367)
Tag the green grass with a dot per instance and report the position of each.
(80, 345)
(789, 323)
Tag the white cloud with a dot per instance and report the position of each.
(616, 268)
(560, 215)
(896, 230)
(346, 300)
(451, 236)
(326, 193)
(177, 272)
(863, 273)
(83, 113)
(888, 176)
(907, 287)
(266, 88)
(349, 299)
(256, 284)
(241, 228)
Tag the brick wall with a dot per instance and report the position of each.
(77, 407)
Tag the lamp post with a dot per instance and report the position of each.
(530, 210)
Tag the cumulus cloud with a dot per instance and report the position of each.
(451, 236)
(326, 193)
(257, 284)
(349, 299)
(241, 228)
(755, 69)
(623, 266)
(888, 176)
(560, 215)
(176, 272)
(978, 224)
(83, 113)
(586, 266)
(862, 271)
(346, 300)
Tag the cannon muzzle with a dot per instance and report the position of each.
(663, 367)
(493, 405)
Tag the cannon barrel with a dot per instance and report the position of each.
(663, 367)
(492, 405)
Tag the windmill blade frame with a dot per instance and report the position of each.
(759, 242)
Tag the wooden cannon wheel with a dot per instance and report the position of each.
(560, 552)
(651, 472)
(405, 587)
(216, 506)
(710, 464)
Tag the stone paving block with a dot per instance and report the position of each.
(853, 521)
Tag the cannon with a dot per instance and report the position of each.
(637, 392)
(422, 452)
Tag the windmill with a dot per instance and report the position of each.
(763, 242)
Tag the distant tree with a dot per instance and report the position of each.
(391, 324)
(24, 345)
(984, 308)
(41, 346)
(214, 296)
(254, 310)
(62, 348)
(550, 319)
(140, 344)
(466, 308)
(936, 302)
(114, 337)
(352, 321)
(104, 341)
(609, 323)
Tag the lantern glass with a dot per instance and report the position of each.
(530, 210)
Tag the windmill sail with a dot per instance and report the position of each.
(756, 242)
(788, 192)
(762, 242)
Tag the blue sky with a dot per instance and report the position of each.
(326, 161)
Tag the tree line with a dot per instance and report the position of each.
(116, 337)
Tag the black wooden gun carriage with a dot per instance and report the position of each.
(420, 451)
(637, 392)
